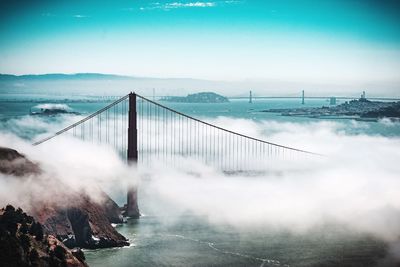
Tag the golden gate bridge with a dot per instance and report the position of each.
(144, 131)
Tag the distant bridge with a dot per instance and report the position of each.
(161, 97)
(316, 97)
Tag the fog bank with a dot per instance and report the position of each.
(355, 184)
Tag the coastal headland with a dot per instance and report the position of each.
(70, 218)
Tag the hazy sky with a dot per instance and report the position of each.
(326, 41)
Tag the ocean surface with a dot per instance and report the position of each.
(190, 240)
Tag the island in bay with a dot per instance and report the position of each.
(203, 97)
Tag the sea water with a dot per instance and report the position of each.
(190, 240)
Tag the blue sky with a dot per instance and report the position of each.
(327, 41)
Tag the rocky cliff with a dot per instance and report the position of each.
(71, 216)
(83, 223)
(23, 243)
(13, 163)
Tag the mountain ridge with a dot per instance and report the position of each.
(88, 76)
(61, 76)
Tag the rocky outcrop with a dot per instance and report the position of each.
(111, 209)
(22, 243)
(71, 216)
(14, 163)
(83, 223)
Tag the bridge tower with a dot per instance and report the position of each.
(250, 97)
(132, 209)
(302, 97)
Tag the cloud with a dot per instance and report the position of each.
(78, 16)
(193, 4)
(175, 5)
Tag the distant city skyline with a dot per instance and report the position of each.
(345, 43)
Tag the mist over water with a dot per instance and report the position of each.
(355, 184)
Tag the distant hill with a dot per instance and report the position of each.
(62, 76)
(104, 84)
(112, 84)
